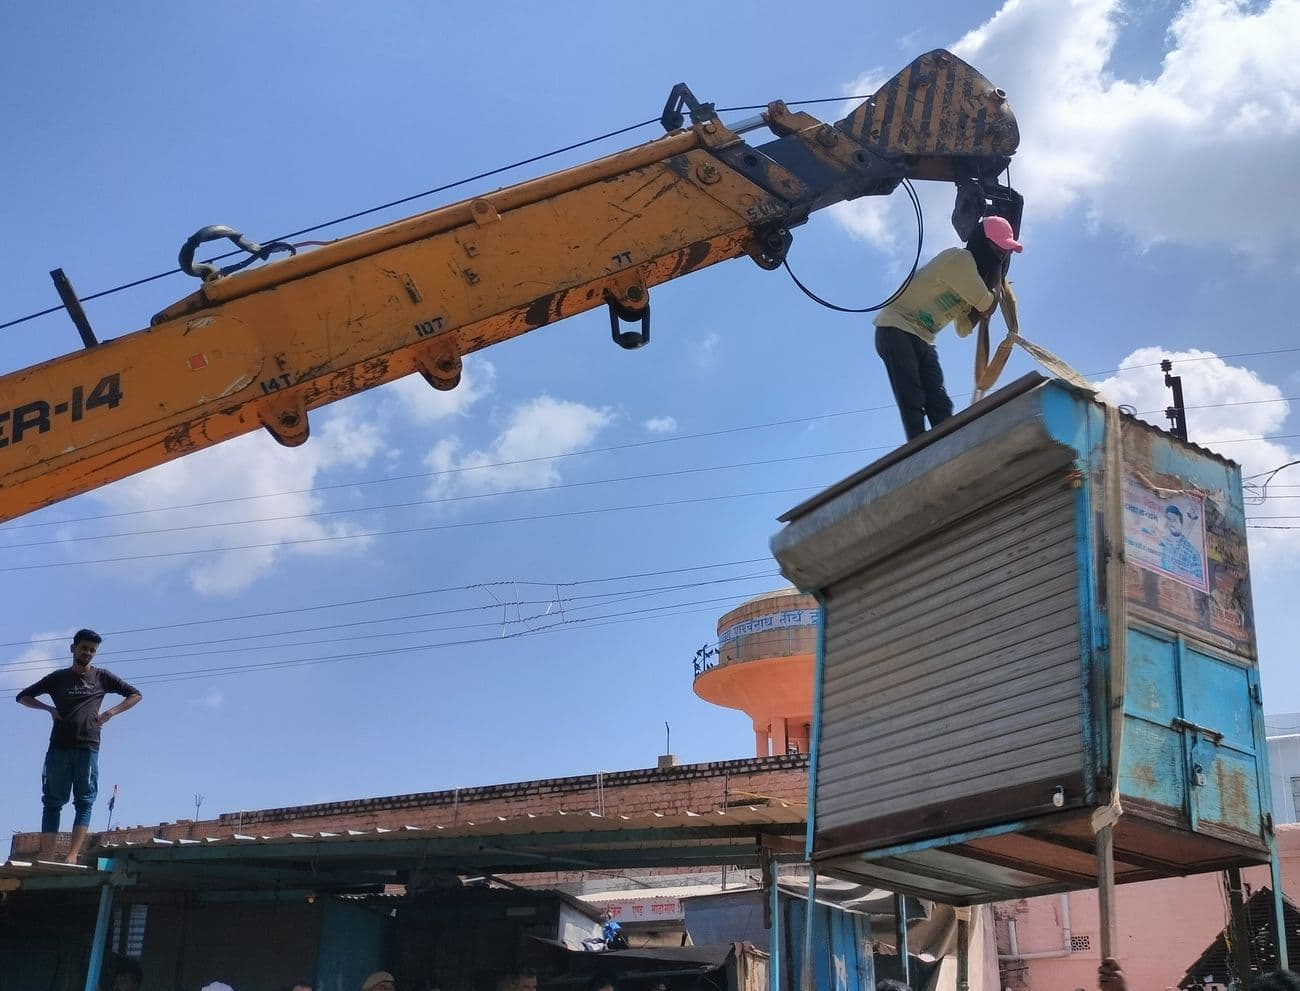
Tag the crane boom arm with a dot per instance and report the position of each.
(264, 347)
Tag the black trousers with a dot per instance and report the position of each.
(915, 377)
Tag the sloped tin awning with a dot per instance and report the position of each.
(917, 489)
(353, 859)
(17, 874)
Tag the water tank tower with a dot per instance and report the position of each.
(764, 667)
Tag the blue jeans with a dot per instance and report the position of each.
(69, 771)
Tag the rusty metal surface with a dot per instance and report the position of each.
(898, 770)
(264, 347)
(937, 106)
(1220, 609)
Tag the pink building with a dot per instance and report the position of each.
(1163, 927)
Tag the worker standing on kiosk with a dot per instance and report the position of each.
(957, 285)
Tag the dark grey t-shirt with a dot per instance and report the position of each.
(77, 697)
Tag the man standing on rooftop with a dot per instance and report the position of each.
(72, 761)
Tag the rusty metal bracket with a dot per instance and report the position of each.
(769, 246)
(680, 99)
(484, 212)
(72, 303)
(1186, 725)
(628, 299)
(285, 419)
(440, 365)
(783, 121)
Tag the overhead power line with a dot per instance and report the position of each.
(351, 216)
(315, 660)
(392, 597)
(476, 523)
(722, 431)
(566, 603)
(301, 541)
(353, 510)
(402, 201)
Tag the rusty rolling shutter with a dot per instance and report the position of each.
(953, 687)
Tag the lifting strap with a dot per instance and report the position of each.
(988, 369)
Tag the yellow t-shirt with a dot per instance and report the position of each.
(940, 292)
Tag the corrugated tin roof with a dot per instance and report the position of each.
(975, 411)
(1137, 421)
(675, 891)
(777, 813)
(16, 874)
(339, 860)
(46, 868)
(972, 412)
(522, 790)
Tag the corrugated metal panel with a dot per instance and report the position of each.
(952, 669)
(774, 814)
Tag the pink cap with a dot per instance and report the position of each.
(998, 230)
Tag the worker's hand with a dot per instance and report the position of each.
(1110, 977)
(106, 716)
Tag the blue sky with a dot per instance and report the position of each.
(1157, 156)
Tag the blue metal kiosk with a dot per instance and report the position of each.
(1039, 667)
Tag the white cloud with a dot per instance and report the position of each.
(252, 477)
(873, 219)
(425, 404)
(1207, 149)
(229, 474)
(34, 662)
(707, 349)
(1228, 407)
(660, 425)
(541, 428)
(1207, 146)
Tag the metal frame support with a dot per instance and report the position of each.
(963, 948)
(775, 959)
(1177, 413)
(1279, 917)
(1240, 925)
(1106, 888)
(101, 930)
(72, 303)
(900, 931)
(815, 730)
(809, 921)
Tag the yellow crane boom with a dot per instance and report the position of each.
(265, 346)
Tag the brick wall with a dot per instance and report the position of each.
(689, 787)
